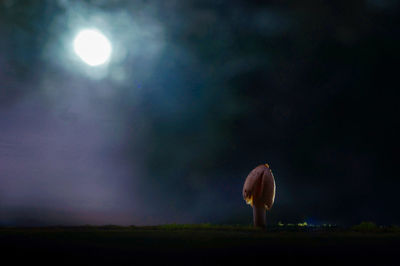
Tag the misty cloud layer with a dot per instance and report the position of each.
(197, 93)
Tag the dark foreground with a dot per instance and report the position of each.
(196, 246)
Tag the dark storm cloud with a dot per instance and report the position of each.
(196, 95)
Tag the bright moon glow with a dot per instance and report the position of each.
(92, 47)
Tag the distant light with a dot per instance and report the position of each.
(302, 224)
(92, 47)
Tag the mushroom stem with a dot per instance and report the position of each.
(259, 215)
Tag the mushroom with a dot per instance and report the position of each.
(259, 192)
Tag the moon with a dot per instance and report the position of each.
(92, 47)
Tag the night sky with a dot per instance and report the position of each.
(196, 94)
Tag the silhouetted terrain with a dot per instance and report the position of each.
(199, 245)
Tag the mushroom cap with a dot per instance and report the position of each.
(259, 187)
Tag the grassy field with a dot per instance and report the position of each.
(202, 245)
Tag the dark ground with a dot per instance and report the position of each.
(201, 246)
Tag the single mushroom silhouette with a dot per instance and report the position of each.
(259, 192)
